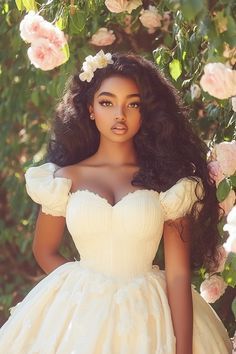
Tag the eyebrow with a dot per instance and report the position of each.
(112, 94)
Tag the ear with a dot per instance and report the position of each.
(90, 108)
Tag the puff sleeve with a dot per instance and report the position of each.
(45, 189)
(179, 199)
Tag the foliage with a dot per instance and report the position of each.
(198, 32)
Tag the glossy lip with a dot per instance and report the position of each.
(119, 126)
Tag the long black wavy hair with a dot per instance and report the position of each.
(167, 147)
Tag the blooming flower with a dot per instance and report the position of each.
(219, 80)
(150, 19)
(30, 25)
(45, 55)
(118, 6)
(47, 41)
(52, 33)
(215, 171)
(103, 37)
(92, 63)
(212, 288)
(225, 154)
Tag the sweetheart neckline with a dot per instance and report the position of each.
(131, 193)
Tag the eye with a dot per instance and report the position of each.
(134, 104)
(105, 103)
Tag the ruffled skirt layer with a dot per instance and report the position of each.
(75, 310)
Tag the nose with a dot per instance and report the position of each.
(120, 115)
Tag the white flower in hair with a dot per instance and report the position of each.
(103, 59)
(92, 63)
(86, 76)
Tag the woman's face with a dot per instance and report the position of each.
(116, 105)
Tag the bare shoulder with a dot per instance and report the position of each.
(73, 172)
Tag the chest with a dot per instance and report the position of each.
(110, 184)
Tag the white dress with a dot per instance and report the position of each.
(112, 301)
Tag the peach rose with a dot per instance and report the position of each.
(118, 6)
(45, 55)
(225, 154)
(30, 26)
(150, 19)
(215, 171)
(219, 80)
(228, 203)
(103, 37)
(212, 288)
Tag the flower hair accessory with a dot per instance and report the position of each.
(92, 63)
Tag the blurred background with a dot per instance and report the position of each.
(181, 37)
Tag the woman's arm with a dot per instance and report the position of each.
(178, 278)
(47, 240)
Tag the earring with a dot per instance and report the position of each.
(91, 116)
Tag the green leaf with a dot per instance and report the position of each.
(19, 4)
(233, 181)
(175, 69)
(77, 21)
(66, 51)
(30, 5)
(223, 189)
(191, 8)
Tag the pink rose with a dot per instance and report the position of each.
(213, 288)
(150, 19)
(45, 55)
(30, 26)
(52, 33)
(103, 37)
(219, 80)
(118, 6)
(228, 203)
(225, 154)
(215, 171)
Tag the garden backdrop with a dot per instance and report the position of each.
(192, 41)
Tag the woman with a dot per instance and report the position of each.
(123, 168)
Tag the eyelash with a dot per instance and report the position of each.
(106, 101)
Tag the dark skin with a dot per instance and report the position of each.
(114, 164)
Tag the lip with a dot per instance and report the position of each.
(119, 126)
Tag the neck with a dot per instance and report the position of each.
(116, 154)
